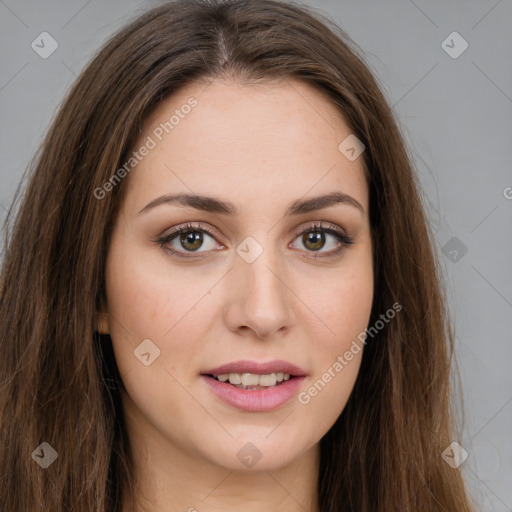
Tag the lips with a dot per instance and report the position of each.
(253, 386)
(256, 368)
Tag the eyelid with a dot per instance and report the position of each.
(188, 226)
(323, 226)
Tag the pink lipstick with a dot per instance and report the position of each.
(255, 387)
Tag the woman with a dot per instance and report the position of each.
(219, 290)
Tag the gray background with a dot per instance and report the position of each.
(456, 115)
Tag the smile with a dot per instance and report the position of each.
(255, 387)
(253, 380)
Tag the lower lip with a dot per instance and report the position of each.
(255, 400)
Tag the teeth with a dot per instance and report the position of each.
(235, 378)
(268, 380)
(253, 379)
(250, 379)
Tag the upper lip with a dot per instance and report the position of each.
(245, 366)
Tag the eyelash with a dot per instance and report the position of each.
(344, 240)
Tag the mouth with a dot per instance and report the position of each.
(255, 387)
(253, 381)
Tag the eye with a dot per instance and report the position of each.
(317, 237)
(188, 239)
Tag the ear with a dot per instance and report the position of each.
(102, 323)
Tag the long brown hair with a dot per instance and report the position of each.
(59, 381)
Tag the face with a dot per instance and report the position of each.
(245, 274)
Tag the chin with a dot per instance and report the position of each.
(253, 453)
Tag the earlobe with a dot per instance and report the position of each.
(102, 323)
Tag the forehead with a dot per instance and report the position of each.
(269, 142)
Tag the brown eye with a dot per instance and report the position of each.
(313, 240)
(319, 240)
(324, 241)
(191, 240)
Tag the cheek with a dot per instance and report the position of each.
(145, 299)
(146, 302)
(339, 351)
(337, 358)
(346, 306)
(350, 305)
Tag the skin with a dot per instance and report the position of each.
(261, 147)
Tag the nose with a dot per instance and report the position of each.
(259, 299)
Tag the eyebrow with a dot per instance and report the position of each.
(215, 205)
